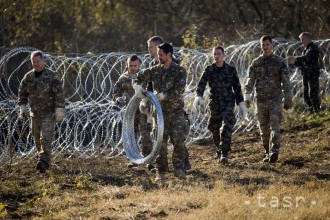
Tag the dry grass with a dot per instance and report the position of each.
(297, 187)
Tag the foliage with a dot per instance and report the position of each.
(80, 26)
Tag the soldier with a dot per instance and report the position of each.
(225, 90)
(168, 80)
(42, 89)
(270, 75)
(123, 92)
(308, 63)
(153, 43)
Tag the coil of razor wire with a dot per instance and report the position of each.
(132, 150)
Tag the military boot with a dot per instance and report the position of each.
(180, 173)
(42, 166)
(273, 157)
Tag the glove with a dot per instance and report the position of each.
(161, 96)
(248, 100)
(139, 91)
(288, 103)
(121, 100)
(23, 111)
(243, 110)
(197, 102)
(143, 106)
(58, 115)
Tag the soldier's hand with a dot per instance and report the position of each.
(121, 100)
(23, 111)
(139, 91)
(58, 115)
(144, 106)
(291, 59)
(160, 96)
(197, 102)
(243, 110)
(288, 104)
(248, 100)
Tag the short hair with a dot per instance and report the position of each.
(133, 57)
(156, 39)
(305, 34)
(166, 47)
(266, 37)
(37, 53)
(219, 48)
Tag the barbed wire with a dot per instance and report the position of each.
(93, 122)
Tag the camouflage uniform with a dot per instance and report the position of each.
(270, 75)
(171, 82)
(155, 62)
(44, 92)
(123, 87)
(225, 90)
(308, 63)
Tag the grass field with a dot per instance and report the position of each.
(297, 187)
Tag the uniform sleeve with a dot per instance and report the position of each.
(251, 80)
(178, 86)
(310, 57)
(237, 88)
(117, 91)
(202, 82)
(285, 79)
(58, 92)
(23, 92)
(145, 76)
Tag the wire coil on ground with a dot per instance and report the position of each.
(128, 135)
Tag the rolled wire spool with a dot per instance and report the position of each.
(132, 150)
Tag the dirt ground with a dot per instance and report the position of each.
(304, 157)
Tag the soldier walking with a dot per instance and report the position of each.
(42, 89)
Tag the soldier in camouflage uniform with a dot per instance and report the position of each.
(225, 91)
(42, 89)
(270, 75)
(123, 92)
(308, 63)
(169, 80)
(153, 43)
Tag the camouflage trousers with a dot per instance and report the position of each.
(223, 121)
(143, 130)
(43, 131)
(269, 117)
(176, 128)
(311, 90)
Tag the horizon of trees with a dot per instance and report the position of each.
(99, 26)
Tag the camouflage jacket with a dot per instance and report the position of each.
(270, 75)
(309, 61)
(171, 82)
(224, 84)
(44, 93)
(124, 87)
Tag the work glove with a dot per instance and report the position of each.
(198, 101)
(139, 91)
(23, 111)
(243, 111)
(248, 100)
(58, 115)
(288, 103)
(161, 96)
(143, 106)
(121, 100)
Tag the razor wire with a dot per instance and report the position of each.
(128, 135)
(93, 122)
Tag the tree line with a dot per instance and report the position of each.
(100, 26)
